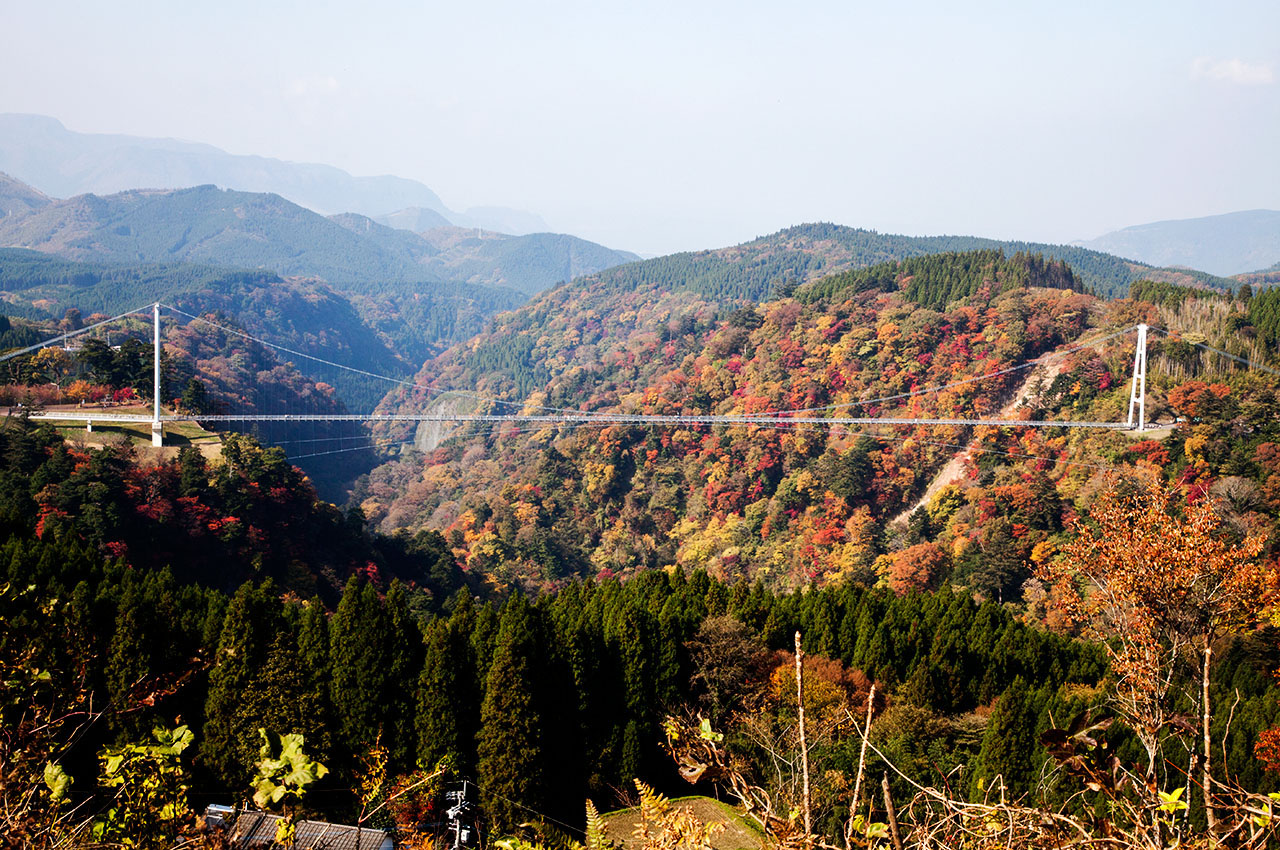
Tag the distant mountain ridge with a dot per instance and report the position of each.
(520, 262)
(204, 225)
(413, 219)
(1230, 244)
(211, 226)
(42, 152)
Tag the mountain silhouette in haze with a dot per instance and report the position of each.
(40, 151)
(1234, 243)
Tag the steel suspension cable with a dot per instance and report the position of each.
(70, 334)
(362, 372)
(1218, 351)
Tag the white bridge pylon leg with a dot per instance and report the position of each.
(157, 428)
(1138, 389)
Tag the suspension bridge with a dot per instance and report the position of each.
(539, 415)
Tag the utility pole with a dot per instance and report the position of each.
(1138, 390)
(157, 430)
(459, 810)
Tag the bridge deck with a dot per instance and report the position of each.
(565, 418)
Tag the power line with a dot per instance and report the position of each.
(291, 441)
(543, 815)
(365, 447)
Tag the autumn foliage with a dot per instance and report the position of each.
(1154, 569)
(1198, 400)
(918, 567)
(1163, 580)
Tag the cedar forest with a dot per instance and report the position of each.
(1070, 641)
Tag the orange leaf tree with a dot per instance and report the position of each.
(1163, 580)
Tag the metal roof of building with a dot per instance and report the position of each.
(249, 828)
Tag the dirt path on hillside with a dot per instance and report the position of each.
(954, 470)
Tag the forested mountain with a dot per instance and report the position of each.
(386, 333)
(209, 360)
(17, 198)
(125, 599)
(208, 366)
(499, 219)
(207, 225)
(236, 375)
(17, 336)
(753, 270)
(1263, 278)
(398, 243)
(376, 336)
(299, 314)
(791, 505)
(529, 263)
(590, 671)
(413, 219)
(1224, 245)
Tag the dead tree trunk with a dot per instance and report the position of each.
(1206, 779)
(894, 834)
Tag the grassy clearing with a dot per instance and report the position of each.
(176, 435)
(739, 833)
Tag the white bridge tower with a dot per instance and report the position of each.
(157, 428)
(1138, 390)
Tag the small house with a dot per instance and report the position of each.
(248, 828)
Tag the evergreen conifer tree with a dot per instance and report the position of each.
(404, 646)
(512, 769)
(131, 658)
(484, 634)
(359, 666)
(1009, 744)
(279, 698)
(252, 622)
(446, 699)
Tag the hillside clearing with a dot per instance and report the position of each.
(738, 833)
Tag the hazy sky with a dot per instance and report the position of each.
(666, 126)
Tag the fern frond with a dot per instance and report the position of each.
(597, 837)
